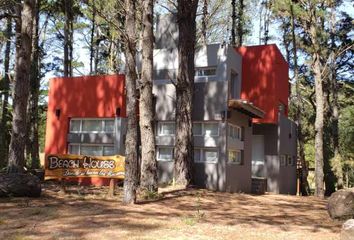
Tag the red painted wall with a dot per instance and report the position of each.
(81, 97)
(265, 79)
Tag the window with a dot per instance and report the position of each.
(290, 160)
(84, 125)
(197, 129)
(92, 125)
(233, 93)
(282, 160)
(197, 155)
(166, 128)
(211, 129)
(206, 129)
(165, 154)
(91, 149)
(202, 72)
(236, 157)
(209, 155)
(235, 132)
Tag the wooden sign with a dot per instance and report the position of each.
(73, 166)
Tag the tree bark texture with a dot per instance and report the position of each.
(148, 180)
(21, 89)
(240, 23)
(34, 94)
(68, 35)
(131, 146)
(183, 152)
(233, 23)
(316, 65)
(338, 168)
(4, 136)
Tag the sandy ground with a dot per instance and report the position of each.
(86, 213)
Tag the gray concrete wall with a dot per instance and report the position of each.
(288, 147)
(279, 140)
(239, 177)
(271, 163)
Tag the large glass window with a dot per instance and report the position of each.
(84, 125)
(197, 129)
(92, 125)
(235, 132)
(205, 129)
(166, 128)
(209, 155)
(91, 149)
(235, 157)
(203, 72)
(211, 129)
(165, 154)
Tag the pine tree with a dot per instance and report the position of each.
(146, 110)
(183, 152)
(24, 28)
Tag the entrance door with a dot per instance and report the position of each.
(258, 156)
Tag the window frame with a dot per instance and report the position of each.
(205, 69)
(164, 160)
(203, 123)
(202, 155)
(237, 151)
(90, 144)
(103, 124)
(239, 131)
(159, 128)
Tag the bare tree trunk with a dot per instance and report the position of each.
(131, 146)
(305, 189)
(233, 24)
(183, 152)
(148, 159)
(316, 65)
(6, 86)
(92, 40)
(34, 93)
(240, 23)
(204, 22)
(67, 4)
(337, 160)
(21, 89)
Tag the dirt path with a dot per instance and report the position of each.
(185, 214)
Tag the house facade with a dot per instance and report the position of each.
(240, 125)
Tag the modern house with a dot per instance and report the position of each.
(242, 136)
(241, 130)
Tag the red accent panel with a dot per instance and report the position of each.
(265, 79)
(82, 97)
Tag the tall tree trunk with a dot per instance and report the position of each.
(240, 23)
(337, 160)
(131, 146)
(316, 67)
(204, 22)
(146, 110)
(92, 40)
(34, 94)
(6, 89)
(68, 33)
(183, 153)
(233, 23)
(305, 189)
(21, 89)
